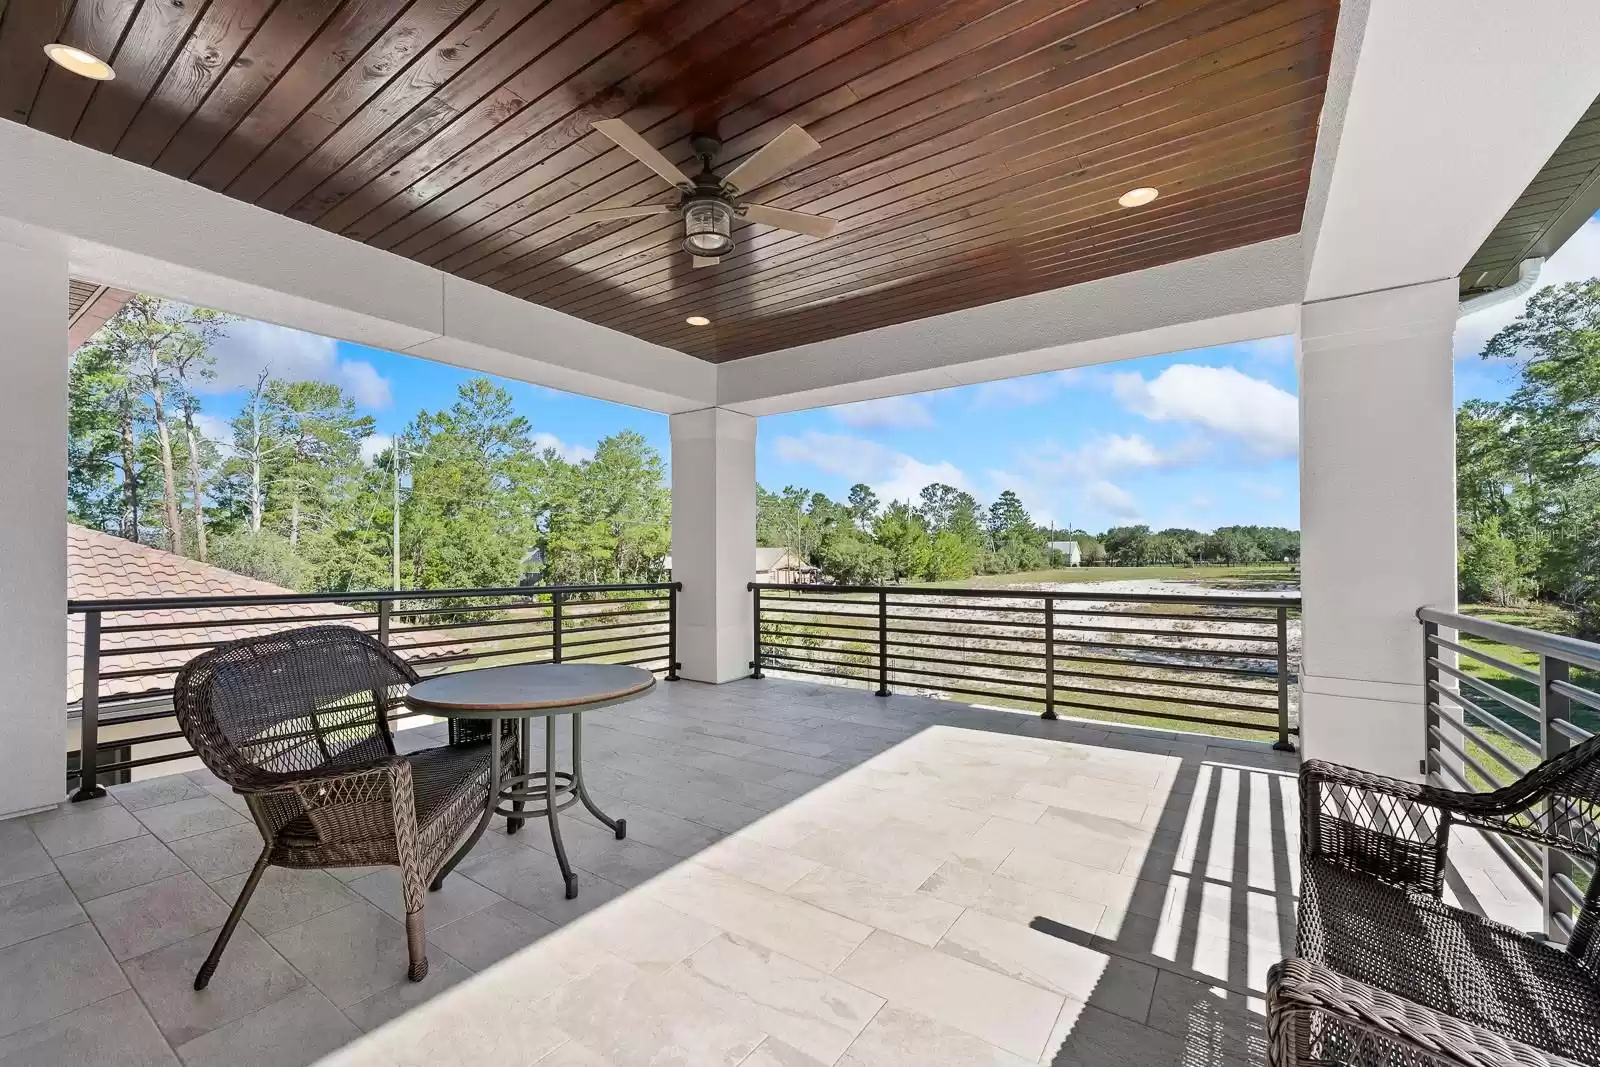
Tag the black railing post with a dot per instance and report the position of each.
(555, 627)
(1049, 656)
(1432, 702)
(883, 643)
(755, 626)
(384, 608)
(1558, 867)
(672, 631)
(89, 720)
(1283, 744)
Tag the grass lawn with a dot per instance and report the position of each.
(1264, 575)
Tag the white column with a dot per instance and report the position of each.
(1377, 515)
(33, 527)
(714, 540)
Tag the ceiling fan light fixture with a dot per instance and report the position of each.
(707, 227)
(698, 320)
(79, 62)
(1138, 197)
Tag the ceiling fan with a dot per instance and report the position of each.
(711, 200)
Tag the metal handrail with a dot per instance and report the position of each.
(887, 635)
(1547, 872)
(660, 647)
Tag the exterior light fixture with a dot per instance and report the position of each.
(1138, 197)
(79, 62)
(698, 320)
(707, 227)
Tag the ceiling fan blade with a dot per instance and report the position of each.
(798, 221)
(605, 214)
(706, 261)
(642, 150)
(777, 156)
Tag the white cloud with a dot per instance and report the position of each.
(892, 475)
(1221, 399)
(894, 412)
(1261, 490)
(214, 428)
(1016, 392)
(375, 444)
(1113, 499)
(1113, 453)
(1576, 261)
(292, 355)
(570, 453)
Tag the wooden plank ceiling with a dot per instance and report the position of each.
(972, 150)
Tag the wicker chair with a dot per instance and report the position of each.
(1390, 974)
(296, 723)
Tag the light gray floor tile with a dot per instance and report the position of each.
(54, 974)
(869, 857)
(154, 792)
(1089, 1037)
(286, 897)
(395, 1001)
(21, 856)
(897, 1037)
(189, 818)
(485, 937)
(1012, 1014)
(164, 912)
(40, 906)
(458, 897)
(759, 864)
(810, 1011)
(106, 869)
(646, 934)
(1007, 898)
(299, 1029)
(531, 878)
(350, 954)
(775, 1053)
(75, 827)
(919, 917)
(250, 976)
(1208, 1017)
(115, 1032)
(220, 853)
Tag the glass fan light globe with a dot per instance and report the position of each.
(708, 227)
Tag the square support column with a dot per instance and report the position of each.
(33, 523)
(1377, 515)
(714, 540)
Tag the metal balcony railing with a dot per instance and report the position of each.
(132, 649)
(1214, 661)
(1492, 716)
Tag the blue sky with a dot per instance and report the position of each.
(1202, 439)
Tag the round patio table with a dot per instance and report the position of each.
(526, 692)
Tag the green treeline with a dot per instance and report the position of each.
(288, 498)
(1527, 477)
(947, 536)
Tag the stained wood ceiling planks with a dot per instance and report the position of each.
(972, 150)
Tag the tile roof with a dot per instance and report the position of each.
(101, 566)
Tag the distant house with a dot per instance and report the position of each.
(783, 566)
(1069, 549)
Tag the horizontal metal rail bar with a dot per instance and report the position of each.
(1170, 650)
(231, 623)
(1477, 711)
(1173, 716)
(1133, 598)
(1567, 888)
(1584, 654)
(1494, 780)
(818, 674)
(811, 657)
(1570, 729)
(1492, 691)
(616, 639)
(565, 629)
(1184, 668)
(1499, 757)
(1519, 863)
(1586, 697)
(1247, 620)
(1093, 691)
(179, 603)
(1513, 669)
(434, 627)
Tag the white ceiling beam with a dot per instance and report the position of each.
(1439, 114)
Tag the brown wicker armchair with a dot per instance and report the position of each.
(297, 723)
(1390, 974)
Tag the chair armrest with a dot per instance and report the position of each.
(1361, 1022)
(361, 802)
(1393, 830)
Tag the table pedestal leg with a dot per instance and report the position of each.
(567, 876)
(617, 826)
(525, 743)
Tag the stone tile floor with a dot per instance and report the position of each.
(812, 875)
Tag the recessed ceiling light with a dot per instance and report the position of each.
(1138, 197)
(79, 62)
(698, 320)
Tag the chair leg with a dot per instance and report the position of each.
(417, 946)
(209, 967)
